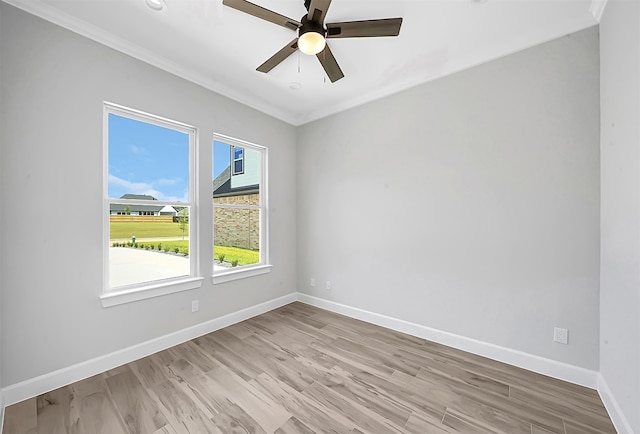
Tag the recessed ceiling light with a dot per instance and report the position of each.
(294, 85)
(156, 5)
(479, 1)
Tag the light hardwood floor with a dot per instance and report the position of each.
(299, 369)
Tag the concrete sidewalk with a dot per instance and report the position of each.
(131, 266)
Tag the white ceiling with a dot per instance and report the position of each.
(220, 48)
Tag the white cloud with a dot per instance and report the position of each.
(168, 181)
(184, 198)
(146, 188)
(132, 187)
(138, 150)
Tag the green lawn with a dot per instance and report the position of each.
(119, 230)
(125, 230)
(243, 256)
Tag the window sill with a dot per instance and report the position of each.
(228, 276)
(114, 298)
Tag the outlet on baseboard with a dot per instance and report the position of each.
(195, 306)
(328, 285)
(312, 282)
(561, 335)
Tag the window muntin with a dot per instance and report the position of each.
(239, 206)
(149, 201)
(238, 160)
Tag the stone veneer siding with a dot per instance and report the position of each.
(237, 227)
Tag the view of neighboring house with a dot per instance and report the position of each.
(238, 184)
(141, 210)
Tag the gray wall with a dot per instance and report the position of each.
(620, 215)
(469, 204)
(53, 85)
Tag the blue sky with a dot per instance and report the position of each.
(221, 157)
(153, 160)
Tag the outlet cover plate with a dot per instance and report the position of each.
(561, 335)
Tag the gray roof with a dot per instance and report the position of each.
(133, 207)
(138, 197)
(224, 176)
(222, 186)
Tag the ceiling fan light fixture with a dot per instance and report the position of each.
(311, 43)
(311, 37)
(312, 32)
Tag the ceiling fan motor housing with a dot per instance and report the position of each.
(312, 32)
(310, 26)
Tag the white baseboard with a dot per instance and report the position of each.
(53, 380)
(1, 411)
(541, 365)
(611, 404)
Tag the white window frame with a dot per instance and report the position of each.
(140, 291)
(264, 266)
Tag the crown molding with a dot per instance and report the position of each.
(452, 67)
(597, 8)
(66, 21)
(51, 14)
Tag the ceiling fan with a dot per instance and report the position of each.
(312, 32)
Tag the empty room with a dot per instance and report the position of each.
(290, 216)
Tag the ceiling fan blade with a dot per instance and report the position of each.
(365, 29)
(260, 12)
(275, 60)
(317, 10)
(330, 64)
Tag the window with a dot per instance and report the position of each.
(238, 160)
(239, 209)
(150, 210)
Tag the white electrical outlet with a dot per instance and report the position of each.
(328, 285)
(312, 282)
(195, 306)
(561, 335)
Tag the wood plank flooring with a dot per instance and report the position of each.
(299, 369)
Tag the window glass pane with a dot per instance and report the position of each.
(231, 188)
(146, 248)
(237, 207)
(147, 162)
(237, 167)
(148, 172)
(236, 237)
